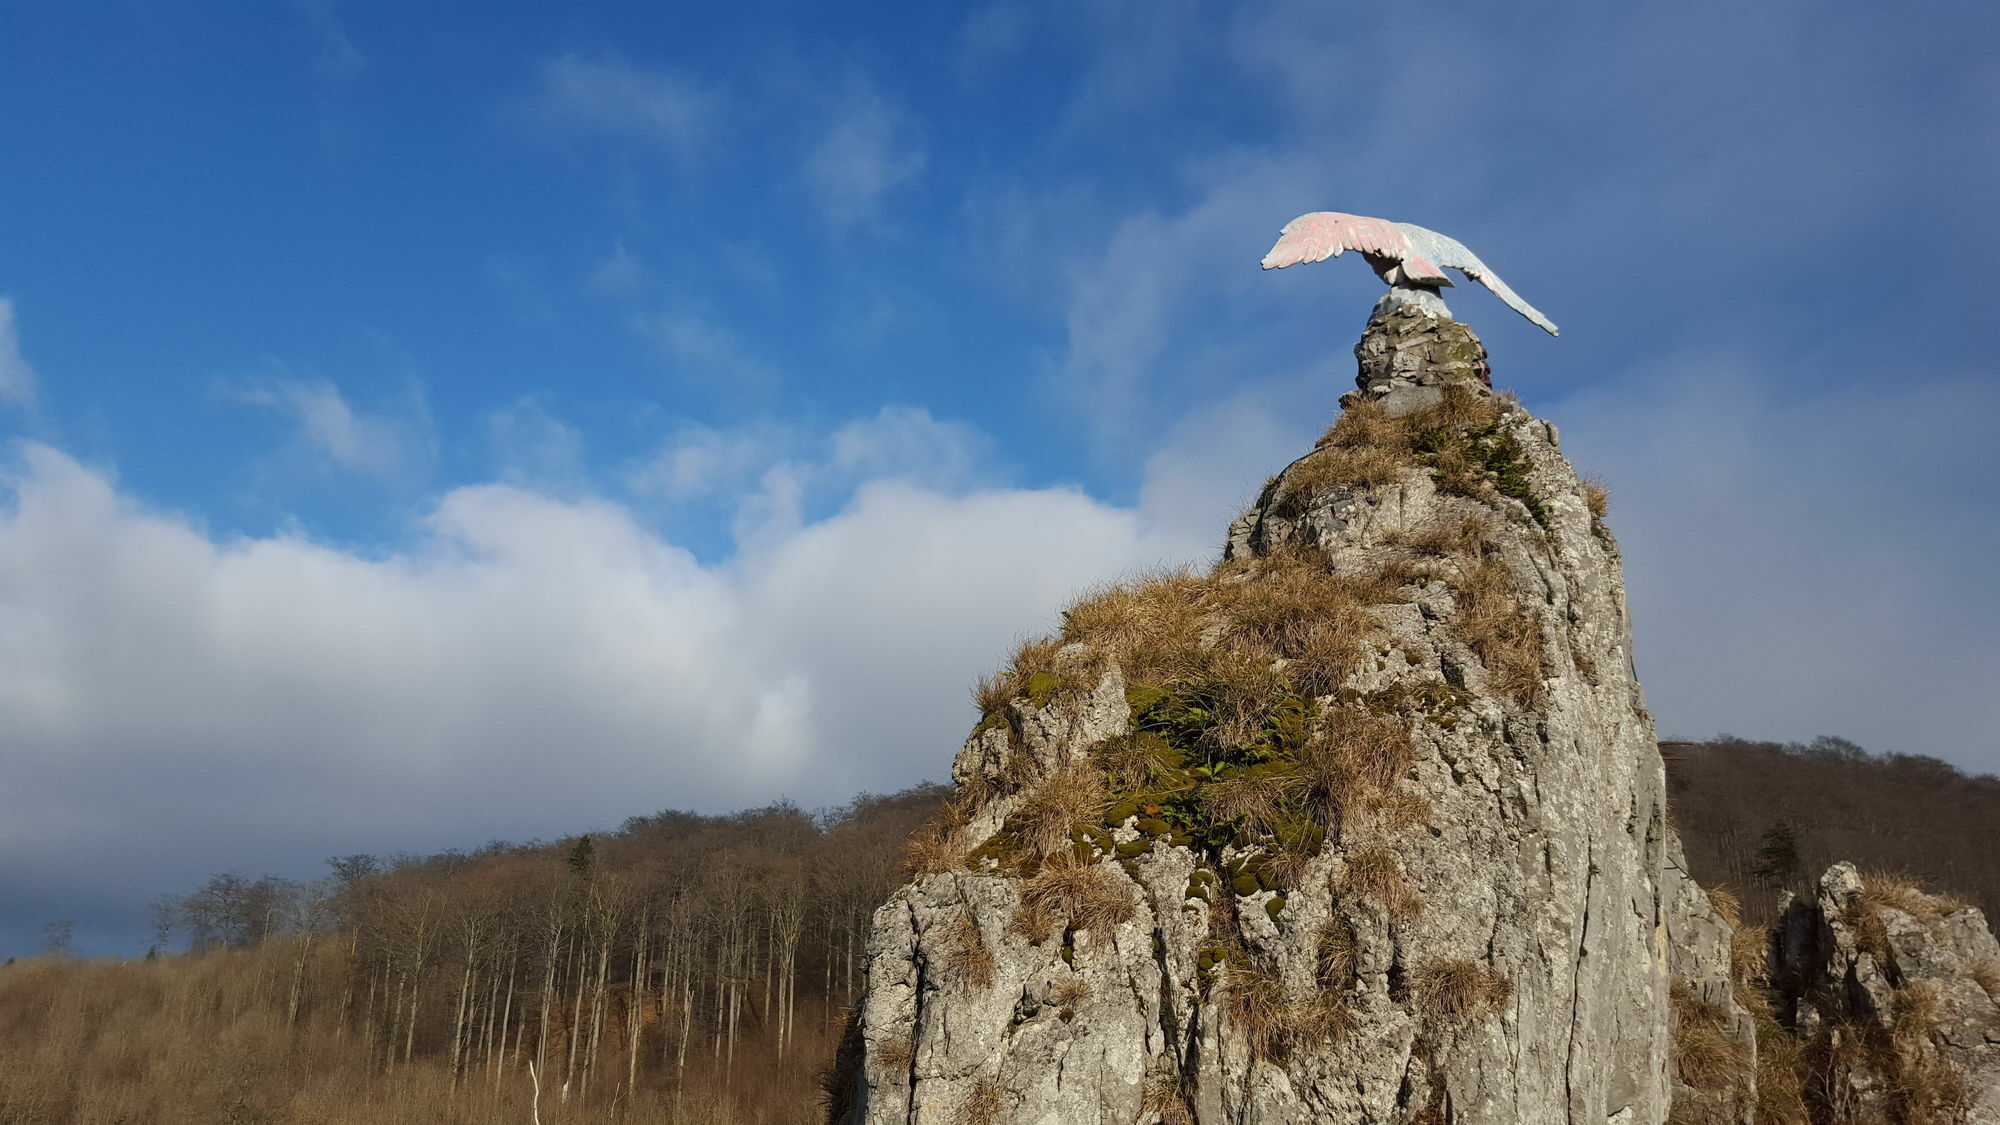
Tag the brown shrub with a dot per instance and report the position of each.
(1165, 1098)
(1506, 638)
(1256, 1006)
(934, 850)
(896, 1054)
(1597, 497)
(1338, 956)
(1375, 873)
(982, 1106)
(1987, 973)
(1727, 906)
(1450, 992)
(1703, 1053)
(1071, 896)
(1442, 540)
(966, 953)
(1072, 796)
(1069, 992)
(1883, 890)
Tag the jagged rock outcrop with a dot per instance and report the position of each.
(1897, 995)
(1365, 825)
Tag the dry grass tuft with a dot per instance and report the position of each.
(1338, 956)
(1165, 1099)
(1069, 992)
(1152, 624)
(1727, 906)
(1363, 447)
(1262, 800)
(990, 694)
(1507, 639)
(1068, 895)
(1987, 973)
(934, 850)
(1374, 872)
(1898, 892)
(1703, 1053)
(1451, 992)
(1442, 540)
(1882, 890)
(1274, 1026)
(1597, 497)
(1357, 754)
(1930, 1090)
(983, 1105)
(896, 1054)
(1072, 796)
(1256, 1006)
(966, 953)
(1750, 965)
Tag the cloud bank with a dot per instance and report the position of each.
(529, 664)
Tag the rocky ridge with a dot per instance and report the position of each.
(1367, 824)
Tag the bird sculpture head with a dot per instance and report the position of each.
(1412, 259)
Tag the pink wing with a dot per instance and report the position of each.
(1320, 235)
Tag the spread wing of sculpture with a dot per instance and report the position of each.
(1412, 259)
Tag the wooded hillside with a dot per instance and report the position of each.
(691, 968)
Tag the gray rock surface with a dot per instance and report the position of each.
(1547, 875)
(1894, 989)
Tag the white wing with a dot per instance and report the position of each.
(1319, 235)
(1450, 252)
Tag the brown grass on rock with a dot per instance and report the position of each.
(1451, 992)
(1164, 1100)
(1703, 1053)
(1068, 895)
(1072, 796)
(1507, 639)
(966, 953)
(983, 1105)
(1374, 872)
(1883, 890)
(1338, 957)
(937, 847)
(1597, 496)
(896, 1054)
(1987, 973)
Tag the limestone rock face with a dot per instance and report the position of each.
(1896, 990)
(1428, 878)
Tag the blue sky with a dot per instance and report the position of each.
(442, 423)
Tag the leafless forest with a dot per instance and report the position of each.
(700, 969)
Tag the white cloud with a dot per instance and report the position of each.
(905, 441)
(699, 461)
(619, 274)
(1804, 563)
(868, 150)
(389, 446)
(534, 448)
(702, 348)
(611, 96)
(17, 379)
(178, 704)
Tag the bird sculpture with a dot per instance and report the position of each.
(1409, 257)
